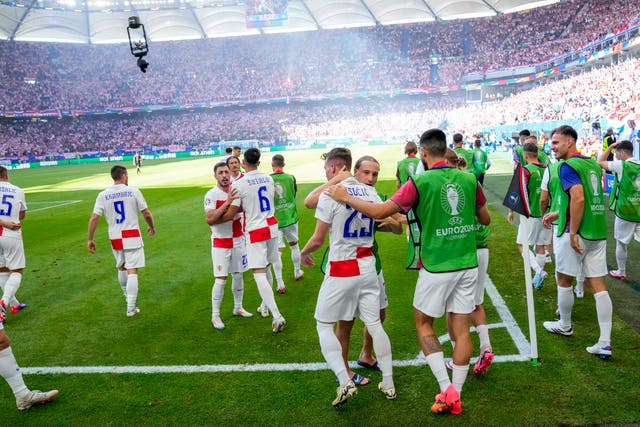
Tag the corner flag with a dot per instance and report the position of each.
(517, 197)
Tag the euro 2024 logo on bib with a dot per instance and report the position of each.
(452, 201)
(595, 186)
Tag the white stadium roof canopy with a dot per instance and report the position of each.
(105, 21)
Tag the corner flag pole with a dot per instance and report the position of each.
(533, 337)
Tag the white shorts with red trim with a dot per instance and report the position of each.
(12, 253)
(290, 233)
(453, 291)
(129, 258)
(261, 254)
(344, 298)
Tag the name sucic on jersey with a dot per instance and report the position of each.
(357, 191)
(118, 195)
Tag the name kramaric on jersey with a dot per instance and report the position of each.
(118, 195)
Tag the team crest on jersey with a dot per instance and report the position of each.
(452, 198)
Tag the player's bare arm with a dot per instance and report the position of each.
(602, 159)
(93, 224)
(146, 214)
(315, 242)
(483, 216)
(373, 210)
(576, 210)
(391, 224)
(311, 201)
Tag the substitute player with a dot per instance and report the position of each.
(350, 284)
(228, 251)
(440, 197)
(582, 237)
(625, 200)
(286, 188)
(120, 205)
(255, 192)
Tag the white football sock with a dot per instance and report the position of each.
(382, 347)
(266, 293)
(237, 287)
(277, 270)
(332, 351)
(541, 260)
(132, 291)
(604, 308)
(565, 305)
(295, 257)
(459, 376)
(621, 257)
(122, 278)
(533, 262)
(4, 276)
(483, 334)
(217, 292)
(436, 363)
(11, 286)
(10, 371)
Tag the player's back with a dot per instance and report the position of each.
(351, 231)
(120, 205)
(12, 201)
(255, 193)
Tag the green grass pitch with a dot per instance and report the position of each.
(76, 318)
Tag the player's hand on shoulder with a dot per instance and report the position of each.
(337, 192)
(232, 194)
(341, 176)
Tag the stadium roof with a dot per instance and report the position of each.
(105, 21)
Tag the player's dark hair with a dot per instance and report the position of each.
(365, 159)
(524, 132)
(340, 156)
(252, 156)
(477, 143)
(410, 148)
(219, 165)
(228, 150)
(566, 130)
(231, 157)
(3, 172)
(457, 138)
(117, 171)
(625, 146)
(531, 148)
(435, 142)
(277, 160)
(237, 147)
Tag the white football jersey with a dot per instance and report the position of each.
(222, 234)
(255, 195)
(120, 205)
(12, 202)
(350, 229)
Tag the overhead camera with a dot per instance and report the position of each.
(138, 41)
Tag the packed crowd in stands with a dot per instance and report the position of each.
(38, 76)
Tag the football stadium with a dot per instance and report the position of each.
(169, 88)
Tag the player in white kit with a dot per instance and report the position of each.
(228, 251)
(13, 209)
(120, 205)
(255, 192)
(351, 284)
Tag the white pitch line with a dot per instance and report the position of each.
(507, 318)
(62, 203)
